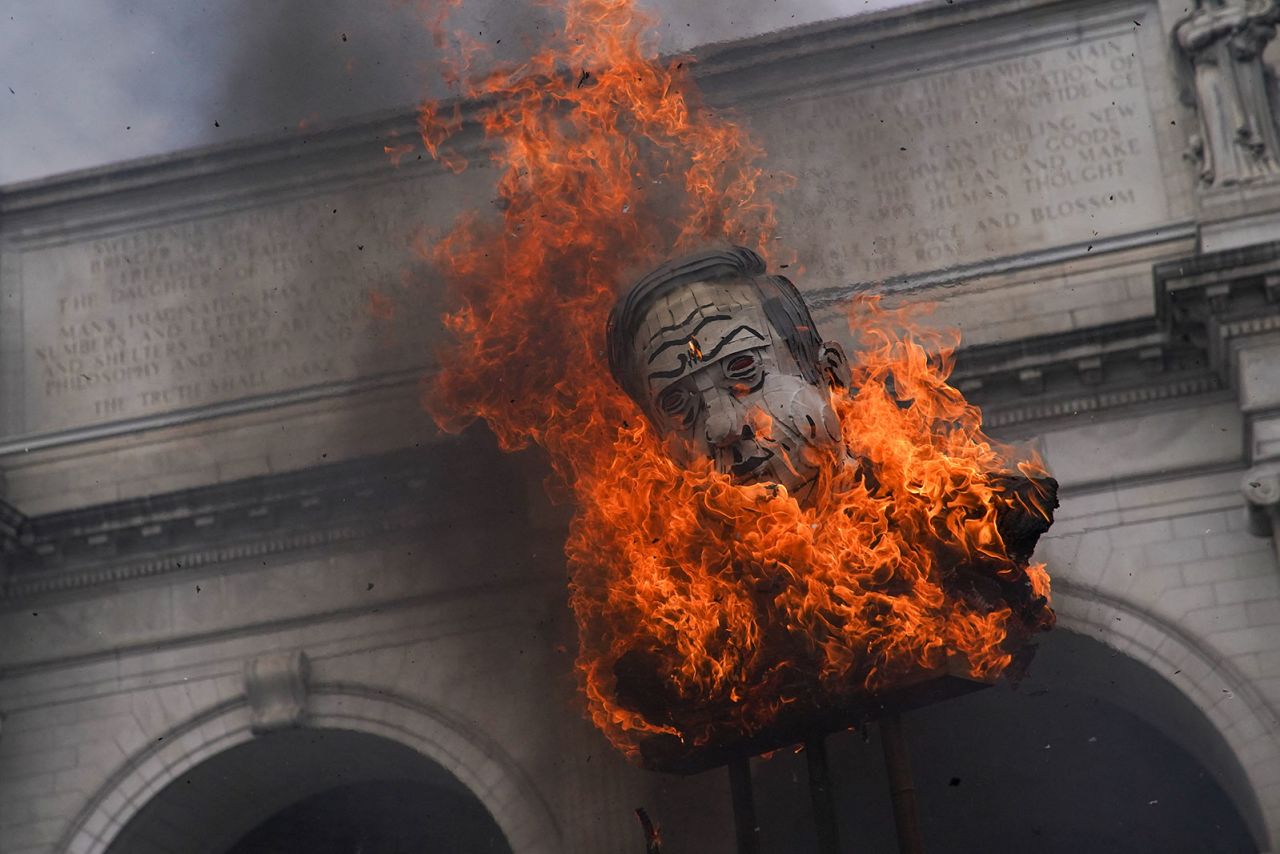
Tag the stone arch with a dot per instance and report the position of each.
(1235, 731)
(476, 761)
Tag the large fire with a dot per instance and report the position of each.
(734, 597)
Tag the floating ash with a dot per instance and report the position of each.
(768, 535)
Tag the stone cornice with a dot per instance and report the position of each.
(1082, 371)
(1219, 285)
(1203, 303)
(401, 381)
(252, 519)
(13, 530)
(899, 42)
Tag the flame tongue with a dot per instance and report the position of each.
(701, 602)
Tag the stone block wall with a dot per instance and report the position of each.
(478, 680)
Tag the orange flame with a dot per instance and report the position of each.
(608, 162)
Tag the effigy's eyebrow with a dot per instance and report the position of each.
(708, 356)
(673, 373)
(685, 340)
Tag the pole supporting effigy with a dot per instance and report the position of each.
(902, 789)
(744, 806)
(824, 806)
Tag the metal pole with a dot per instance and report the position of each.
(744, 806)
(901, 788)
(824, 808)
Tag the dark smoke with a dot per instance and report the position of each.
(95, 83)
(297, 60)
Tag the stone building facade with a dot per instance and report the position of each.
(241, 572)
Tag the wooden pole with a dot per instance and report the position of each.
(744, 806)
(652, 839)
(824, 808)
(901, 788)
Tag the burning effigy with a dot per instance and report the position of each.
(770, 535)
(728, 366)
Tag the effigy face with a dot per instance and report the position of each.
(730, 368)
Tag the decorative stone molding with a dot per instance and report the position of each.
(13, 533)
(1228, 304)
(482, 765)
(1264, 436)
(254, 519)
(1223, 41)
(1210, 309)
(275, 685)
(1083, 371)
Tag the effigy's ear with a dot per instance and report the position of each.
(834, 365)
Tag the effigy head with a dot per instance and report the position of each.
(727, 364)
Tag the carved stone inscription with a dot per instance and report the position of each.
(975, 162)
(232, 306)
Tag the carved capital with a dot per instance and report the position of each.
(1261, 488)
(276, 686)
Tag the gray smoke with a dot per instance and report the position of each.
(95, 83)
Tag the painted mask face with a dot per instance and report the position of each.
(721, 381)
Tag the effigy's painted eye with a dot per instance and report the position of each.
(740, 365)
(672, 402)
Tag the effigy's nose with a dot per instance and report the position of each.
(727, 426)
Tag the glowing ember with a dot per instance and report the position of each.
(732, 600)
(396, 153)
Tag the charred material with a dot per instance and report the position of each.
(1024, 513)
(797, 722)
(712, 733)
